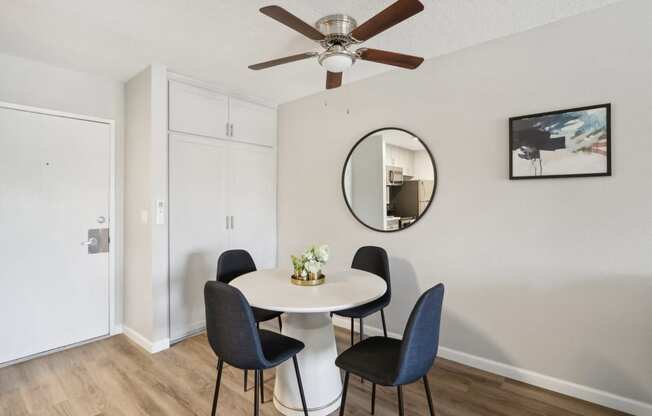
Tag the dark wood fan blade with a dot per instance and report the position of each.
(280, 61)
(288, 19)
(333, 80)
(389, 17)
(390, 58)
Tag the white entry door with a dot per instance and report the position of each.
(54, 187)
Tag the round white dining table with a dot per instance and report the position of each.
(307, 318)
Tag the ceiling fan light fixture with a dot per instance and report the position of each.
(337, 59)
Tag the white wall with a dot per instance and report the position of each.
(138, 246)
(146, 181)
(41, 85)
(552, 276)
(367, 185)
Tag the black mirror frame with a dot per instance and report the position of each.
(434, 168)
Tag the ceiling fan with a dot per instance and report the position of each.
(338, 32)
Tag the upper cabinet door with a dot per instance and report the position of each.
(252, 123)
(197, 110)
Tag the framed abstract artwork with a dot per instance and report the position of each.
(561, 144)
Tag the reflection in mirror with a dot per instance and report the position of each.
(389, 179)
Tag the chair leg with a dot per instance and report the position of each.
(245, 380)
(280, 324)
(256, 377)
(400, 401)
(373, 398)
(361, 339)
(352, 340)
(220, 364)
(303, 397)
(382, 316)
(346, 387)
(427, 385)
(262, 388)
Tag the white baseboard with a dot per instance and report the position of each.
(116, 329)
(568, 388)
(150, 346)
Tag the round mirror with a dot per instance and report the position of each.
(389, 179)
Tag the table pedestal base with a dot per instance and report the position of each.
(321, 378)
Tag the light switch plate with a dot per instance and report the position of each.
(160, 212)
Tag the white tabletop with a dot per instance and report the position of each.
(271, 289)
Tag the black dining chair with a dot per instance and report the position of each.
(235, 263)
(373, 260)
(392, 362)
(236, 340)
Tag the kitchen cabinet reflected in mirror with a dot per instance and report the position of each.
(389, 179)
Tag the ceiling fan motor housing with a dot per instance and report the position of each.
(336, 29)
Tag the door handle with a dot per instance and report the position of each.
(98, 241)
(90, 242)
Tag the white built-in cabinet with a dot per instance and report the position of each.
(204, 112)
(222, 191)
(400, 157)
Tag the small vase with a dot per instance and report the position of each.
(312, 279)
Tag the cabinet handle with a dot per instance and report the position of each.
(231, 221)
(227, 129)
(231, 129)
(227, 222)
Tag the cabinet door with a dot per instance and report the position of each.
(197, 110)
(198, 229)
(252, 123)
(252, 202)
(390, 155)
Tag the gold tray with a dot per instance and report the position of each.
(308, 282)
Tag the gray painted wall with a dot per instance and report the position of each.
(553, 276)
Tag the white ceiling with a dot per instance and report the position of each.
(215, 40)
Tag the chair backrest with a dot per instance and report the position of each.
(373, 259)
(231, 327)
(234, 263)
(421, 337)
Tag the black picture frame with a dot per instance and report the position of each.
(511, 143)
(343, 179)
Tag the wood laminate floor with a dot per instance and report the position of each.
(115, 377)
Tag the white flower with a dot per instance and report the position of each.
(313, 266)
(304, 273)
(322, 253)
(309, 255)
